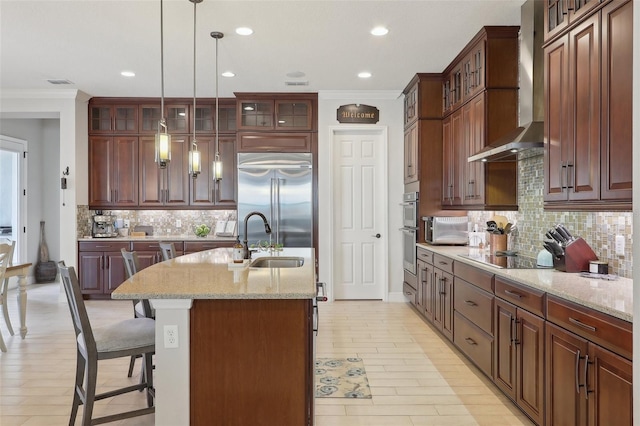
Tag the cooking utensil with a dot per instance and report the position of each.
(555, 248)
(507, 228)
(556, 236)
(564, 232)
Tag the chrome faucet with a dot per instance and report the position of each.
(267, 229)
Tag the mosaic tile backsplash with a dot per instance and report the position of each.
(164, 222)
(598, 229)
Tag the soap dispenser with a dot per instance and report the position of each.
(238, 251)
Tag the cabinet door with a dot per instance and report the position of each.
(201, 191)
(411, 154)
(177, 117)
(293, 115)
(504, 365)
(204, 190)
(115, 273)
(100, 170)
(148, 258)
(610, 387)
(411, 105)
(443, 307)
(473, 118)
(452, 132)
(227, 187)
(617, 69)
(125, 171)
(256, 115)
(428, 291)
(149, 115)
(421, 271)
(90, 267)
(530, 364)
(151, 184)
(565, 399)
(177, 173)
(556, 89)
(583, 167)
(113, 118)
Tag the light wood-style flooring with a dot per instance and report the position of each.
(416, 378)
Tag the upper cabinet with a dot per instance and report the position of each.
(588, 112)
(560, 14)
(122, 168)
(278, 112)
(480, 104)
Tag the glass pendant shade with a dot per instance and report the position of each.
(217, 169)
(195, 161)
(163, 147)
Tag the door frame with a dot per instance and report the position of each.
(383, 132)
(19, 146)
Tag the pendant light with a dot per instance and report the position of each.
(217, 163)
(195, 166)
(163, 138)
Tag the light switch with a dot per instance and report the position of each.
(620, 245)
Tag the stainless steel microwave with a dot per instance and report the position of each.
(446, 230)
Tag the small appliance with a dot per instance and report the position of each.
(409, 231)
(445, 230)
(104, 226)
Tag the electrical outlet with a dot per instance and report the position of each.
(127, 223)
(620, 245)
(178, 223)
(170, 336)
(621, 221)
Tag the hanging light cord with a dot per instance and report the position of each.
(217, 158)
(161, 62)
(194, 73)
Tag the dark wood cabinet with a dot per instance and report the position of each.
(113, 171)
(275, 142)
(100, 267)
(426, 290)
(519, 357)
(443, 295)
(196, 246)
(480, 107)
(276, 112)
(411, 164)
(168, 186)
(587, 162)
(113, 118)
(204, 190)
(560, 14)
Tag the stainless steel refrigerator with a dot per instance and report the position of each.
(278, 185)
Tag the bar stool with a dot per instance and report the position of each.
(168, 250)
(131, 337)
(6, 255)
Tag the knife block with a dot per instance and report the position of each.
(576, 257)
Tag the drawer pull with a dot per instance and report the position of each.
(470, 303)
(513, 293)
(581, 324)
(470, 341)
(103, 246)
(408, 293)
(578, 385)
(442, 262)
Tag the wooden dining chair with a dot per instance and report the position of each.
(6, 255)
(134, 336)
(168, 250)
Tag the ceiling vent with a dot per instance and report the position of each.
(296, 83)
(59, 81)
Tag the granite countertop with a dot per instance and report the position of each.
(185, 237)
(610, 297)
(210, 274)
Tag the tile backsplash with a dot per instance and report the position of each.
(164, 222)
(598, 229)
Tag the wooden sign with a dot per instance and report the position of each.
(364, 114)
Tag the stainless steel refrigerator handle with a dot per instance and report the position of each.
(272, 208)
(278, 210)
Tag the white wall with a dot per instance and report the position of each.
(391, 105)
(68, 111)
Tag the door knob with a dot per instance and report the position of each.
(376, 235)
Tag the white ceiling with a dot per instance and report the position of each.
(89, 42)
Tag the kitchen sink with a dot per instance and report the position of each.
(277, 262)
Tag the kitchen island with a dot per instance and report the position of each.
(244, 338)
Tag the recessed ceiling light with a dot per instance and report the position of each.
(364, 74)
(228, 74)
(244, 31)
(379, 31)
(128, 74)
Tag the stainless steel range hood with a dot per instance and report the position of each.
(528, 139)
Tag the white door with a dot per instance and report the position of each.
(13, 172)
(359, 213)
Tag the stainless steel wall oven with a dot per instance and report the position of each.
(409, 231)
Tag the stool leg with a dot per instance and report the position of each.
(147, 372)
(132, 364)
(77, 389)
(91, 373)
(5, 309)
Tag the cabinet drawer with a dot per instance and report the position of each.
(145, 246)
(410, 293)
(425, 256)
(474, 303)
(105, 245)
(525, 297)
(609, 332)
(442, 262)
(195, 246)
(474, 343)
(475, 276)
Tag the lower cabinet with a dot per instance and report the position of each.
(425, 291)
(443, 296)
(519, 357)
(587, 384)
(100, 267)
(196, 246)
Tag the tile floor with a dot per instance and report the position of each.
(416, 378)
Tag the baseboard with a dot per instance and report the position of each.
(397, 297)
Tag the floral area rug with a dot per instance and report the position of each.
(341, 378)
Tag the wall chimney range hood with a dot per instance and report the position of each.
(521, 139)
(527, 140)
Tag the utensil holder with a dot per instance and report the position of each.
(498, 242)
(577, 256)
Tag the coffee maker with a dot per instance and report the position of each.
(104, 226)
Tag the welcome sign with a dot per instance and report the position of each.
(358, 113)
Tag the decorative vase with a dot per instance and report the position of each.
(45, 270)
